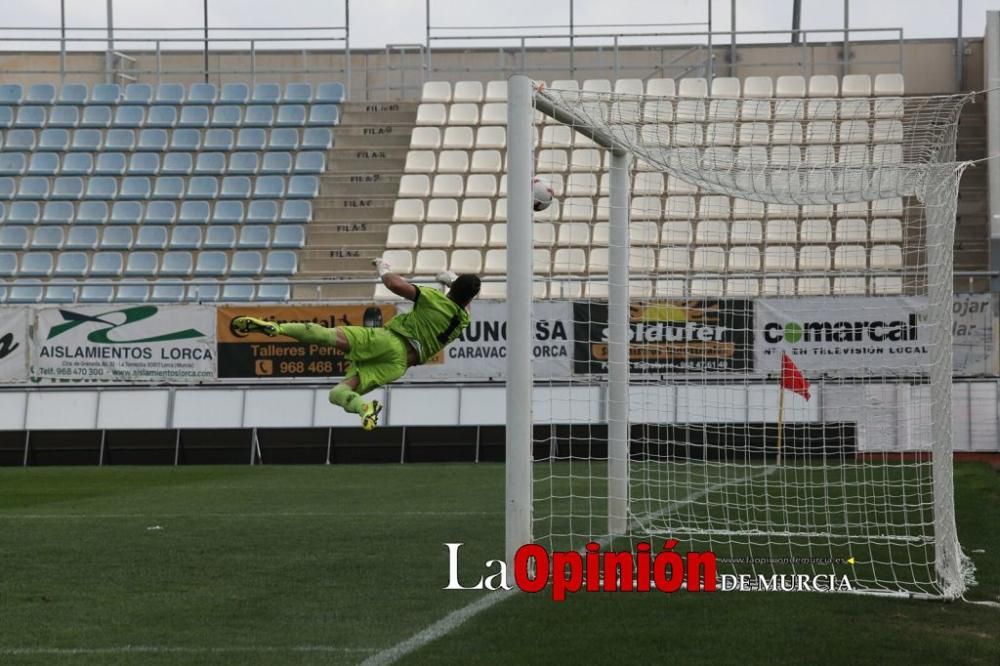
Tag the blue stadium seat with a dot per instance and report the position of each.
(72, 264)
(193, 212)
(283, 138)
(213, 164)
(329, 93)
(77, 164)
(25, 291)
(277, 292)
(132, 293)
(14, 164)
(106, 264)
(8, 264)
(310, 161)
(86, 140)
(20, 139)
(269, 187)
(53, 140)
(135, 187)
(266, 93)
(324, 115)
(67, 188)
(82, 238)
(185, 238)
(64, 116)
(96, 292)
(129, 117)
(237, 290)
(169, 93)
(177, 164)
(177, 264)
(289, 236)
(201, 93)
(262, 212)
(30, 117)
(126, 212)
(227, 116)
(291, 115)
(254, 237)
(246, 264)
(24, 212)
(110, 164)
(218, 238)
(160, 212)
(235, 187)
(297, 93)
(151, 238)
(92, 212)
(119, 139)
(33, 187)
(251, 138)
(167, 292)
(228, 212)
(105, 93)
(299, 211)
(281, 262)
(36, 264)
(58, 212)
(42, 164)
(259, 116)
(103, 188)
(13, 238)
(11, 94)
(168, 187)
(218, 139)
(96, 117)
(138, 93)
(60, 293)
(204, 292)
(144, 164)
(152, 139)
(6, 116)
(161, 116)
(243, 164)
(141, 264)
(47, 238)
(234, 93)
(193, 116)
(73, 93)
(317, 138)
(185, 140)
(41, 93)
(211, 264)
(7, 188)
(279, 163)
(303, 187)
(117, 238)
(203, 187)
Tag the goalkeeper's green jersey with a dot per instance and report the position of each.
(434, 321)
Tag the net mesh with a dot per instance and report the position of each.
(814, 229)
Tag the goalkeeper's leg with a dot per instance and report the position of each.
(307, 332)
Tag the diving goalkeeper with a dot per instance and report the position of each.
(380, 356)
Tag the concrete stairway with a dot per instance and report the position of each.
(972, 230)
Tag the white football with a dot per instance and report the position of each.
(542, 193)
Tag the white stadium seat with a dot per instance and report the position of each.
(432, 114)
(463, 114)
(425, 138)
(435, 236)
(543, 234)
(442, 210)
(792, 89)
(858, 86)
(401, 261)
(408, 210)
(414, 185)
(457, 138)
(491, 138)
(436, 91)
(494, 113)
(468, 91)
(420, 161)
(402, 236)
(430, 262)
(466, 261)
(850, 258)
(476, 210)
(470, 235)
(886, 257)
(887, 230)
(481, 185)
(448, 185)
(453, 161)
(496, 91)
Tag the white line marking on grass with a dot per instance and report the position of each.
(455, 619)
(177, 649)
(260, 514)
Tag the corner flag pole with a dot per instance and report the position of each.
(781, 416)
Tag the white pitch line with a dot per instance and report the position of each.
(262, 514)
(457, 618)
(177, 649)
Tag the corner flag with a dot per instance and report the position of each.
(792, 378)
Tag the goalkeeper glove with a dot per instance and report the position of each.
(381, 266)
(446, 277)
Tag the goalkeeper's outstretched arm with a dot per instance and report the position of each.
(400, 285)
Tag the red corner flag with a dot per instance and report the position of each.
(792, 378)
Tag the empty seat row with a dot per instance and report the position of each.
(161, 140)
(260, 211)
(169, 164)
(147, 264)
(137, 117)
(107, 188)
(32, 290)
(172, 93)
(459, 138)
(216, 237)
(454, 161)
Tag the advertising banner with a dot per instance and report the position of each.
(670, 336)
(124, 343)
(974, 344)
(845, 336)
(481, 351)
(14, 344)
(257, 355)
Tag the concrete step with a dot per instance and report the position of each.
(374, 137)
(349, 210)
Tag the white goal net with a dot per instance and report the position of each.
(760, 295)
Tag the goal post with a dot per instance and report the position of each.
(693, 245)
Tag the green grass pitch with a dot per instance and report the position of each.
(320, 565)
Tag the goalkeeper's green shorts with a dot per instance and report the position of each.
(377, 356)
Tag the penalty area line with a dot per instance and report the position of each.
(176, 649)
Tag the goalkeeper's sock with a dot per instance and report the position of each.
(348, 400)
(309, 333)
